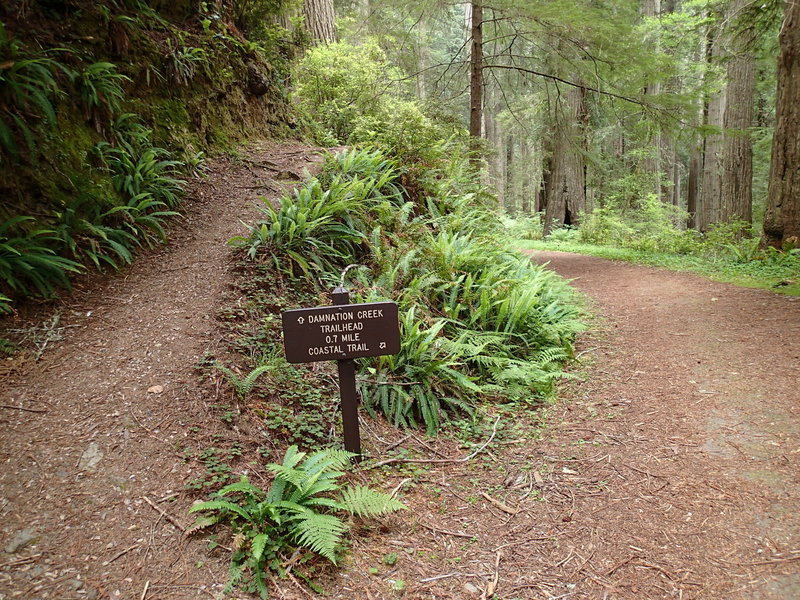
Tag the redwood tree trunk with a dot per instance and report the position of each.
(708, 201)
(320, 20)
(782, 220)
(728, 175)
(566, 190)
(476, 78)
(652, 164)
(736, 190)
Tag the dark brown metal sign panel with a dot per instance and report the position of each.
(341, 332)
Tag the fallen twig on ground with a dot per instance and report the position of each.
(445, 531)
(165, 514)
(501, 505)
(391, 461)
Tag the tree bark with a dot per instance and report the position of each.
(511, 195)
(708, 201)
(652, 164)
(476, 79)
(494, 138)
(728, 175)
(320, 20)
(736, 190)
(566, 189)
(782, 219)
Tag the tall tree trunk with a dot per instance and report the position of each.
(695, 177)
(528, 191)
(693, 185)
(566, 193)
(709, 200)
(494, 137)
(476, 79)
(736, 191)
(728, 175)
(320, 20)
(782, 220)
(652, 164)
(511, 193)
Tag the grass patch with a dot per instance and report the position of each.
(775, 271)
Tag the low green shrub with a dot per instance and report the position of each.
(28, 264)
(350, 95)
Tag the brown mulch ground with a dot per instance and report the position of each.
(669, 470)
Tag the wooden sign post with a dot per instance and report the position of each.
(342, 332)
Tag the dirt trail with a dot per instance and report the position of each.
(84, 477)
(669, 471)
(701, 441)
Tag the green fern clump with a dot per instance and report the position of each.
(28, 264)
(315, 231)
(477, 319)
(300, 510)
(5, 305)
(28, 86)
(127, 187)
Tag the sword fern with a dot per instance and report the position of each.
(299, 511)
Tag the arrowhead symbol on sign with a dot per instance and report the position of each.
(301, 320)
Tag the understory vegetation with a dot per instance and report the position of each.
(104, 116)
(290, 515)
(477, 320)
(647, 231)
(399, 215)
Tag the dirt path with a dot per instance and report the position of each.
(697, 402)
(87, 475)
(669, 471)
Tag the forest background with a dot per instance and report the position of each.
(645, 125)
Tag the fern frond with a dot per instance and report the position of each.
(244, 486)
(204, 521)
(257, 546)
(221, 505)
(249, 381)
(320, 533)
(366, 502)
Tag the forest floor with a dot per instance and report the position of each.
(667, 469)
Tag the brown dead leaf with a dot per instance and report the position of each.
(155, 389)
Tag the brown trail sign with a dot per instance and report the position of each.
(342, 332)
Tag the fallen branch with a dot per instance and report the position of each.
(398, 486)
(492, 587)
(166, 515)
(21, 561)
(447, 576)
(33, 410)
(469, 536)
(502, 506)
(119, 554)
(759, 563)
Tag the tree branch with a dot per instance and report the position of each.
(567, 82)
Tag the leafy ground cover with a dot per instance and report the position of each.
(770, 269)
(516, 501)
